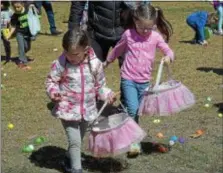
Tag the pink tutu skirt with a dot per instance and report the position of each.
(170, 97)
(114, 135)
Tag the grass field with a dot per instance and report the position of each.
(25, 104)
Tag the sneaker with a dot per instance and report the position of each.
(218, 32)
(135, 150)
(56, 32)
(203, 43)
(66, 164)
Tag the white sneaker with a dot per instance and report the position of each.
(135, 150)
(218, 32)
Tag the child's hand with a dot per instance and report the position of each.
(166, 60)
(112, 98)
(56, 97)
(105, 64)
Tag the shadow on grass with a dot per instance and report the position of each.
(218, 71)
(52, 157)
(12, 59)
(187, 42)
(48, 157)
(219, 106)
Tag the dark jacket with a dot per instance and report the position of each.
(104, 18)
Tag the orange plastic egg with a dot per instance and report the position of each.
(199, 132)
(159, 135)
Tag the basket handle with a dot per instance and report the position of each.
(105, 104)
(159, 73)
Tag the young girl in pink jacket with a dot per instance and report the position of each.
(138, 46)
(75, 80)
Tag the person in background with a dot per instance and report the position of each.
(218, 6)
(6, 14)
(106, 22)
(50, 15)
(197, 21)
(20, 27)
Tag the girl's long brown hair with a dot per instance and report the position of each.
(148, 12)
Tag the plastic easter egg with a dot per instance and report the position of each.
(207, 105)
(181, 140)
(162, 149)
(159, 135)
(28, 149)
(174, 138)
(4, 74)
(171, 142)
(39, 140)
(209, 99)
(10, 126)
(220, 115)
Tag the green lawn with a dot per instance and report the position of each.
(25, 104)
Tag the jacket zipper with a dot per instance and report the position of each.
(82, 91)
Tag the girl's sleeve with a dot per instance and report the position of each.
(119, 49)
(102, 91)
(164, 47)
(53, 78)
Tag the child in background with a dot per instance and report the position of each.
(20, 27)
(218, 6)
(6, 14)
(74, 82)
(138, 46)
(197, 21)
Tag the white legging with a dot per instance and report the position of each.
(75, 132)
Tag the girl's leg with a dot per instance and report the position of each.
(130, 97)
(220, 16)
(73, 133)
(7, 47)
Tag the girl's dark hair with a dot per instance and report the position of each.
(6, 4)
(15, 2)
(148, 12)
(75, 37)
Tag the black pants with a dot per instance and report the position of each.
(7, 47)
(101, 47)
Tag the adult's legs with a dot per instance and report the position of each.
(220, 16)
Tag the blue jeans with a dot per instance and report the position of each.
(132, 93)
(24, 45)
(194, 27)
(220, 16)
(49, 11)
